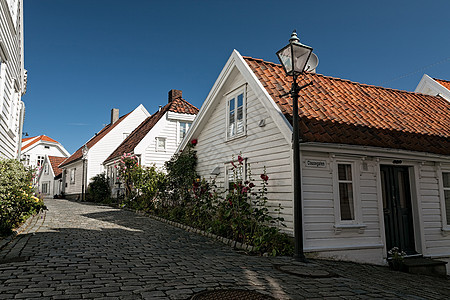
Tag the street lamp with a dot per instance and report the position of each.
(294, 58)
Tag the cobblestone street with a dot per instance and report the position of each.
(80, 250)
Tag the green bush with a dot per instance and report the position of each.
(99, 189)
(17, 196)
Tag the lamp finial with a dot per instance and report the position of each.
(294, 38)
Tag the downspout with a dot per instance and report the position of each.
(21, 120)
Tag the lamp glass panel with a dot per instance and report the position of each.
(284, 55)
(301, 55)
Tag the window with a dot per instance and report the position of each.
(46, 169)
(184, 127)
(47, 147)
(45, 188)
(40, 161)
(160, 144)
(26, 159)
(236, 115)
(235, 174)
(72, 175)
(446, 183)
(346, 199)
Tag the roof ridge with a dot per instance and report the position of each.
(337, 78)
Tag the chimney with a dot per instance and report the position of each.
(114, 115)
(174, 94)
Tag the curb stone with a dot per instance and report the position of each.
(234, 244)
(5, 241)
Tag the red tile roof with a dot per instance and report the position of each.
(334, 110)
(36, 139)
(55, 161)
(178, 105)
(444, 83)
(98, 136)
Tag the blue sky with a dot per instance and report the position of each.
(85, 57)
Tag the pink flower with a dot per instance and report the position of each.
(240, 159)
(264, 177)
(194, 142)
(244, 189)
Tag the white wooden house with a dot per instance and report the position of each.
(375, 162)
(87, 161)
(35, 149)
(13, 77)
(434, 86)
(49, 177)
(155, 140)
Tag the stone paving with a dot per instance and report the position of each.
(85, 251)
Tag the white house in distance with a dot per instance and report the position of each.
(155, 140)
(375, 162)
(434, 86)
(13, 77)
(87, 161)
(35, 149)
(49, 177)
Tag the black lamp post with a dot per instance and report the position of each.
(294, 58)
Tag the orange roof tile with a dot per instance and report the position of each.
(178, 105)
(334, 110)
(444, 83)
(55, 161)
(98, 136)
(37, 139)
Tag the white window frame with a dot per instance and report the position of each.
(46, 168)
(26, 159)
(445, 220)
(357, 220)
(188, 126)
(234, 95)
(228, 167)
(158, 148)
(46, 188)
(40, 161)
(72, 175)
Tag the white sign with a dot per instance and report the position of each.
(316, 163)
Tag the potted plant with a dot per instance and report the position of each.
(396, 258)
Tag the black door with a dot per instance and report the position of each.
(398, 221)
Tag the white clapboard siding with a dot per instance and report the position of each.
(437, 242)
(262, 146)
(12, 83)
(73, 188)
(103, 148)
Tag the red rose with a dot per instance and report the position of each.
(194, 142)
(264, 177)
(240, 159)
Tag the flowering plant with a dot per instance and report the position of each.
(126, 167)
(396, 255)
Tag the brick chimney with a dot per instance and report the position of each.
(114, 115)
(174, 94)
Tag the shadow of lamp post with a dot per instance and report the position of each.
(294, 58)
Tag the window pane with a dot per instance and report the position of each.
(345, 172)
(183, 127)
(240, 100)
(446, 178)
(346, 201)
(231, 105)
(447, 205)
(240, 122)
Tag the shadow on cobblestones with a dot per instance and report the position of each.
(88, 251)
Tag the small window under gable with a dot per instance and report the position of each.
(184, 127)
(72, 175)
(160, 144)
(236, 114)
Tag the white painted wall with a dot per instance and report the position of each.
(262, 146)
(76, 187)
(12, 78)
(39, 149)
(167, 127)
(103, 148)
